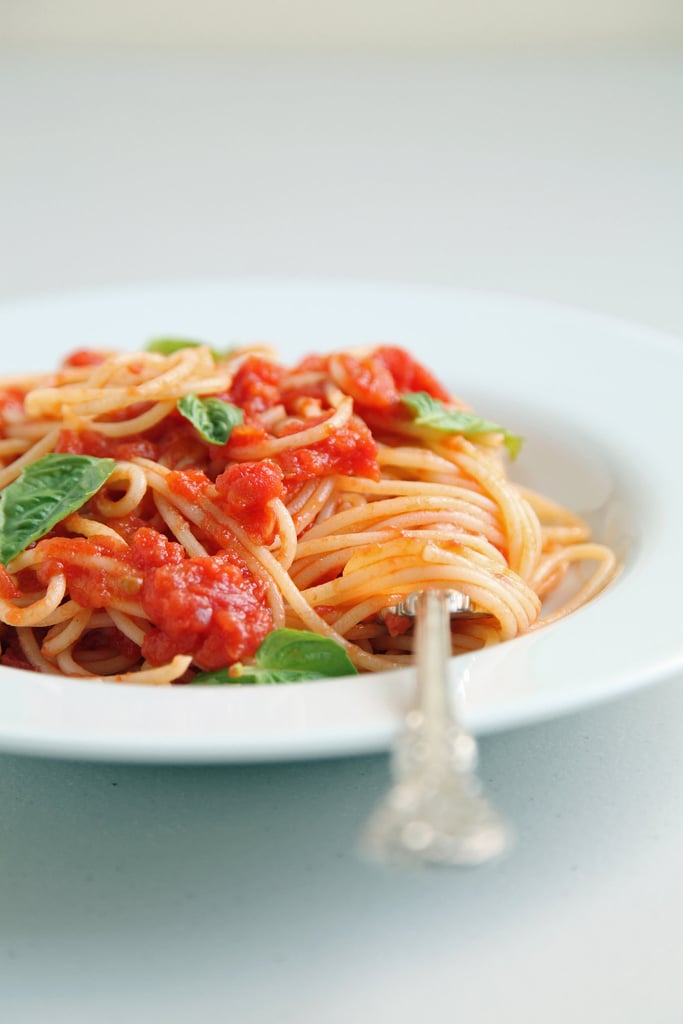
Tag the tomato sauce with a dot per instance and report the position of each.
(408, 374)
(8, 588)
(91, 583)
(247, 490)
(11, 406)
(151, 549)
(370, 381)
(190, 484)
(212, 608)
(255, 387)
(90, 442)
(350, 451)
(85, 357)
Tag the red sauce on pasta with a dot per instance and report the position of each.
(212, 608)
(11, 406)
(192, 550)
(256, 385)
(248, 489)
(85, 357)
(350, 451)
(408, 374)
(98, 570)
(89, 442)
(8, 588)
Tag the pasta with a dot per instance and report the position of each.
(233, 496)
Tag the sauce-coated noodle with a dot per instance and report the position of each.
(328, 503)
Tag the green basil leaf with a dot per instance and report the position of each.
(288, 656)
(253, 675)
(430, 412)
(47, 491)
(213, 418)
(299, 650)
(169, 346)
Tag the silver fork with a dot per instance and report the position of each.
(435, 811)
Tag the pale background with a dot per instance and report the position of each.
(408, 26)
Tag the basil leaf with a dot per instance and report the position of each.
(299, 650)
(169, 346)
(253, 675)
(288, 656)
(46, 492)
(213, 418)
(430, 412)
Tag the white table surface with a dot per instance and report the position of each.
(234, 893)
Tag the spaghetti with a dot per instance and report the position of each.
(242, 496)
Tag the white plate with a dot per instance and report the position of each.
(599, 403)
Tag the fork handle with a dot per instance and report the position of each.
(433, 649)
(435, 811)
(446, 741)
